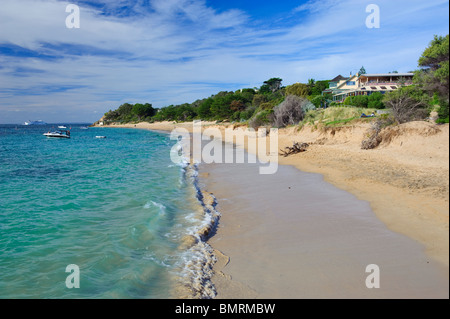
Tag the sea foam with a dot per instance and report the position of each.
(197, 256)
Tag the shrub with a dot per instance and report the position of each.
(260, 119)
(373, 138)
(348, 100)
(258, 99)
(268, 105)
(376, 101)
(289, 112)
(318, 100)
(443, 112)
(407, 104)
(298, 89)
(360, 101)
(248, 113)
(236, 116)
(376, 105)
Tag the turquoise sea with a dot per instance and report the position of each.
(118, 208)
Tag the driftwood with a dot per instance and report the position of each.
(296, 148)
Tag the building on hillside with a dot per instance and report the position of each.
(366, 84)
(332, 85)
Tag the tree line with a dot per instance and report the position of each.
(261, 106)
(240, 105)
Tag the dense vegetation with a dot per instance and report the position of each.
(430, 89)
(373, 101)
(274, 104)
(240, 106)
(131, 113)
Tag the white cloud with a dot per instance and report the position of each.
(170, 52)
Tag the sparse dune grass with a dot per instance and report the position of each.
(336, 116)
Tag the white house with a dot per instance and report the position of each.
(366, 84)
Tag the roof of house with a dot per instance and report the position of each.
(350, 78)
(387, 74)
(338, 78)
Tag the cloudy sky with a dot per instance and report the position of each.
(175, 51)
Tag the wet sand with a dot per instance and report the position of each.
(293, 235)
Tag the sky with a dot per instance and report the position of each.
(167, 52)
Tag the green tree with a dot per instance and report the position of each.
(258, 99)
(376, 101)
(204, 110)
(274, 84)
(362, 71)
(237, 105)
(184, 112)
(124, 112)
(319, 87)
(433, 76)
(247, 95)
(298, 89)
(248, 113)
(143, 110)
(221, 106)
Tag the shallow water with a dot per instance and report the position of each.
(118, 208)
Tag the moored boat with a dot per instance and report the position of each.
(58, 134)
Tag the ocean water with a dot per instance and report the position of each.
(118, 208)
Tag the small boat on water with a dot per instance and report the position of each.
(35, 123)
(62, 127)
(100, 137)
(58, 134)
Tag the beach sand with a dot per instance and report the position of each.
(292, 235)
(314, 240)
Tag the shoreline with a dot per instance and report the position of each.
(293, 235)
(421, 213)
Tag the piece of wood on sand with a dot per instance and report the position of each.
(295, 149)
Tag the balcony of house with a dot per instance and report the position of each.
(384, 85)
(387, 80)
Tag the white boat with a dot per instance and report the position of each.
(35, 123)
(100, 137)
(58, 134)
(62, 127)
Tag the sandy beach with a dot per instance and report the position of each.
(393, 198)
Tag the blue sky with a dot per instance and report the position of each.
(175, 51)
